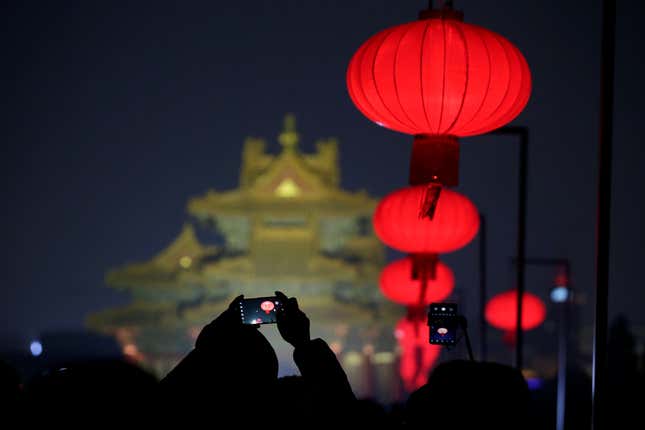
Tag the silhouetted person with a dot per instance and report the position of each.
(577, 402)
(468, 395)
(626, 390)
(293, 393)
(10, 394)
(9, 382)
(323, 375)
(371, 414)
(233, 370)
(105, 391)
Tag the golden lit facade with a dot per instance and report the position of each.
(288, 226)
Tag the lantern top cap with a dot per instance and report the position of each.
(443, 13)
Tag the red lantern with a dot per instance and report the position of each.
(417, 354)
(501, 311)
(397, 284)
(397, 223)
(267, 306)
(438, 78)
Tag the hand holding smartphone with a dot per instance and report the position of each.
(443, 321)
(259, 310)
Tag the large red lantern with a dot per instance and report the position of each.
(501, 312)
(397, 222)
(438, 79)
(397, 284)
(417, 354)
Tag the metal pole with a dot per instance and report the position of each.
(523, 132)
(564, 311)
(599, 370)
(562, 371)
(521, 243)
(563, 340)
(482, 288)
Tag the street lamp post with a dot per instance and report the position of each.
(523, 133)
(603, 216)
(561, 294)
(483, 253)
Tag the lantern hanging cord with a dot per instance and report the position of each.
(447, 4)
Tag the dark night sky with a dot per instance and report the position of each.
(114, 113)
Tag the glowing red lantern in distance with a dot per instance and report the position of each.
(397, 284)
(438, 78)
(417, 354)
(501, 311)
(397, 223)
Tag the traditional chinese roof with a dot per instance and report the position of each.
(286, 181)
(172, 267)
(287, 226)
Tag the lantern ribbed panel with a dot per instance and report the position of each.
(501, 311)
(396, 283)
(397, 223)
(439, 76)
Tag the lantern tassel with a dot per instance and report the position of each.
(429, 201)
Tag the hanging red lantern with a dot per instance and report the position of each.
(418, 356)
(397, 284)
(438, 79)
(501, 312)
(397, 224)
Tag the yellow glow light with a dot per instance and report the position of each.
(287, 188)
(383, 357)
(185, 262)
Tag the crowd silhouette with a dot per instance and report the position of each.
(231, 376)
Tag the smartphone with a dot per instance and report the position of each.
(443, 322)
(259, 310)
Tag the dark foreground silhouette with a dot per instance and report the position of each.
(467, 394)
(230, 379)
(232, 372)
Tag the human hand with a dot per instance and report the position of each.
(231, 316)
(293, 324)
(226, 322)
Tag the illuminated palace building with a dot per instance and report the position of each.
(288, 226)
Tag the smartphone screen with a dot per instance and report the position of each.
(443, 323)
(259, 310)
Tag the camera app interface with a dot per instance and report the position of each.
(443, 323)
(260, 310)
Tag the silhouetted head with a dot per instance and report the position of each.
(293, 394)
(467, 394)
(9, 383)
(232, 370)
(240, 357)
(104, 388)
(369, 413)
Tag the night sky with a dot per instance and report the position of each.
(115, 113)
